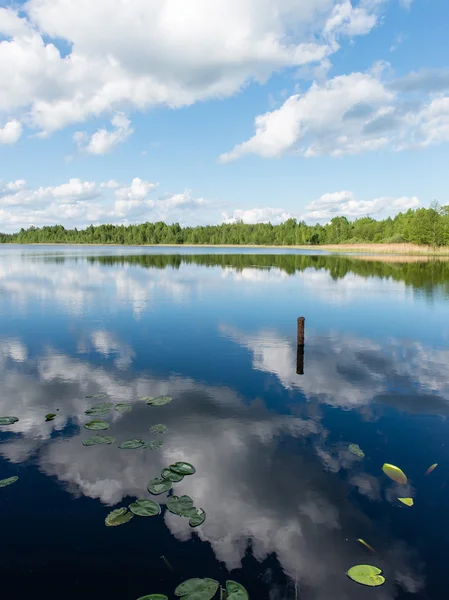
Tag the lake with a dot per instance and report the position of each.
(285, 499)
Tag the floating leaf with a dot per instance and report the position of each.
(145, 508)
(97, 411)
(102, 439)
(171, 475)
(9, 481)
(147, 399)
(431, 468)
(355, 449)
(124, 407)
(158, 429)
(99, 395)
(406, 501)
(132, 444)
(395, 473)
(153, 597)
(366, 575)
(183, 468)
(197, 589)
(8, 420)
(159, 486)
(50, 416)
(154, 444)
(88, 442)
(180, 506)
(119, 516)
(236, 591)
(197, 518)
(366, 545)
(97, 425)
(159, 401)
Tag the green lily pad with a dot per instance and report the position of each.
(88, 442)
(395, 473)
(8, 420)
(97, 411)
(132, 444)
(102, 439)
(356, 450)
(159, 486)
(8, 481)
(124, 407)
(154, 444)
(236, 591)
(183, 468)
(171, 475)
(119, 516)
(366, 575)
(180, 506)
(145, 508)
(158, 429)
(50, 416)
(197, 518)
(153, 597)
(97, 425)
(147, 399)
(159, 401)
(197, 589)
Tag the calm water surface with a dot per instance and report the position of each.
(284, 497)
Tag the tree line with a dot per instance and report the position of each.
(424, 226)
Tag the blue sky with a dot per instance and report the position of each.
(254, 109)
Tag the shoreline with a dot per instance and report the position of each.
(392, 249)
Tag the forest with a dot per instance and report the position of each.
(423, 226)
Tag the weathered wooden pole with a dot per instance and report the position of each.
(300, 347)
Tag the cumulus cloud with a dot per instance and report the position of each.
(10, 132)
(104, 140)
(351, 114)
(257, 215)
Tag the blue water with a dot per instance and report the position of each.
(216, 329)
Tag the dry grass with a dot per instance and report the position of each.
(407, 249)
(399, 258)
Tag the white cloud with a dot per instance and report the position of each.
(257, 215)
(351, 114)
(103, 140)
(10, 132)
(148, 53)
(405, 4)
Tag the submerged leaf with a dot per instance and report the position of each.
(395, 473)
(123, 407)
(96, 425)
(366, 545)
(180, 506)
(406, 501)
(154, 444)
(119, 516)
(171, 475)
(431, 468)
(197, 518)
(158, 429)
(183, 468)
(8, 481)
(366, 575)
(236, 591)
(102, 439)
(153, 597)
(8, 420)
(159, 486)
(197, 589)
(159, 401)
(88, 442)
(356, 450)
(132, 444)
(50, 416)
(145, 508)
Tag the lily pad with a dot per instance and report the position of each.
(8, 481)
(197, 518)
(88, 442)
(145, 508)
(132, 444)
(97, 425)
(50, 416)
(147, 399)
(118, 516)
(171, 475)
(395, 473)
(183, 468)
(180, 506)
(153, 597)
(97, 411)
(197, 589)
(154, 444)
(158, 429)
(406, 501)
(159, 486)
(366, 575)
(124, 407)
(236, 591)
(8, 420)
(159, 401)
(356, 450)
(102, 439)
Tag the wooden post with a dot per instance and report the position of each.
(300, 347)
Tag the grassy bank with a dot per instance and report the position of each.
(404, 249)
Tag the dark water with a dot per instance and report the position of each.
(285, 499)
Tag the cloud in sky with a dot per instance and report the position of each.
(104, 140)
(10, 132)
